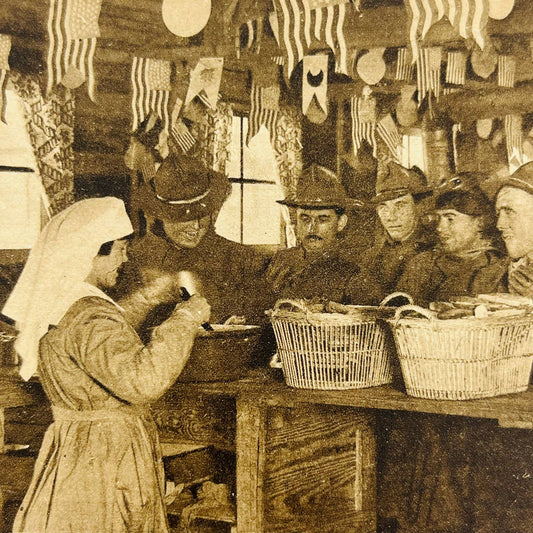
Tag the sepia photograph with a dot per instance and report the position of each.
(266, 266)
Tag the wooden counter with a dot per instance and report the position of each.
(306, 459)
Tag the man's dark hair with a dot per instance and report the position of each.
(105, 249)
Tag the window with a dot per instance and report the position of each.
(251, 214)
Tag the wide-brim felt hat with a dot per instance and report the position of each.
(395, 180)
(319, 187)
(521, 178)
(182, 189)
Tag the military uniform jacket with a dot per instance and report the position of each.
(292, 275)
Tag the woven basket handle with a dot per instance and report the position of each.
(393, 295)
(426, 313)
(293, 303)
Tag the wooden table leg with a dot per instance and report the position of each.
(250, 446)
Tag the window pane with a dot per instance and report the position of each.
(262, 221)
(228, 223)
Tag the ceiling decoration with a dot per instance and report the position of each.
(186, 18)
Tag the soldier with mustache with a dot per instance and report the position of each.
(314, 268)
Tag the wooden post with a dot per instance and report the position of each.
(251, 423)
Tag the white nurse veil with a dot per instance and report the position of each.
(57, 267)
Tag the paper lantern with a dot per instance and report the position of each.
(186, 18)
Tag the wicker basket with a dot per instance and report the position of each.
(331, 350)
(462, 359)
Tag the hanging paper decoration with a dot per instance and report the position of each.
(264, 108)
(428, 72)
(5, 48)
(363, 122)
(484, 61)
(388, 131)
(185, 18)
(371, 66)
(456, 68)
(407, 109)
(468, 17)
(300, 22)
(205, 81)
(151, 89)
(404, 65)
(506, 71)
(315, 88)
(484, 127)
(513, 141)
(499, 9)
(72, 33)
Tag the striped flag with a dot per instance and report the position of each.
(456, 68)
(264, 108)
(428, 72)
(388, 131)
(151, 89)
(362, 128)
(506, 71)
(468, 17)
(5, 48)
(72, 33)
(180, 134)
(253, 35)
(513, 140)
(300, 22)
(404, 65)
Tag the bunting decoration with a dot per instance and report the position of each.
(300, 22)
(456, 68)
(315, 87)
(205, 81)
(363, 124)
(72, 34)
(390, 135)
(404, 65)
(506, 71)
(468, 17)
(428, 72)
(151, 89)
(264, 108)
(5, 48)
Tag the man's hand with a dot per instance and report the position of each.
(521, 280)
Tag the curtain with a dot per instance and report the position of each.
(212, 131)
(50, 124)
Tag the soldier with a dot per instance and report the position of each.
(397, 200)
(313, 269)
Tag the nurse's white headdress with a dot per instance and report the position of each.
(54, 274)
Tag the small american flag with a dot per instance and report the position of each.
(361, 129)
(72, 33)
(506, 71)
(150, 79)
(388, 131)
(513, 140)
(428, 72)
(179, 132)
(264, 107)
(456, 68)
(5, 48)
(404, 65)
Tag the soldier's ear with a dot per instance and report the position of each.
(341, 223)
